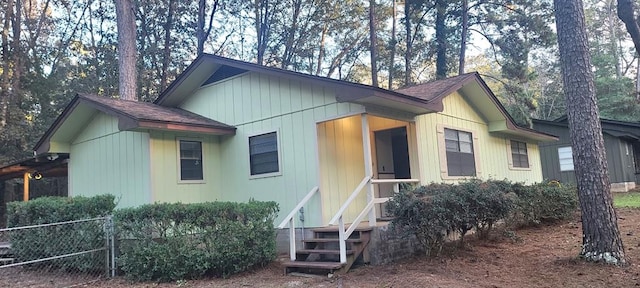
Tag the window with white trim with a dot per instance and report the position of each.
(565, 157)
(519, 154)
(190, 160)
(263, 154)
(460, 158)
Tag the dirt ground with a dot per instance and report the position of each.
(535, 257)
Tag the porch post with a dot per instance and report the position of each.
(368, 167)
(25, 188)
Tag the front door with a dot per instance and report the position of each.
(391, 162)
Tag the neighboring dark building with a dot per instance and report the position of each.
(621, 141)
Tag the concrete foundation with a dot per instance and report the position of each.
(622, 186)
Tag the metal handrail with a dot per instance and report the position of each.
(289, 218)
(353, 196)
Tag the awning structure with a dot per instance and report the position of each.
(44, 165)
(48, 165)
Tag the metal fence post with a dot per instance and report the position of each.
(110, 269)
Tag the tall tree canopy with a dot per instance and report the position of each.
(52, 49)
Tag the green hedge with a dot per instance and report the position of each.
(43, 242)
(165, 242)
(435, 211)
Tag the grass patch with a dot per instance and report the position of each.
(631, 199)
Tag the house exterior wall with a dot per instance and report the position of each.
(165, 184)
(619, 153)
(105, 160)
(255, 104)
(491, 149)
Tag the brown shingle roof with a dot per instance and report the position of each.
(434, 90)
(152, 112)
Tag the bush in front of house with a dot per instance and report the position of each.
(49, 241)
(167, 242)
(542, 203)
(434, 212)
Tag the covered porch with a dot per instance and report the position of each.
(361, 159)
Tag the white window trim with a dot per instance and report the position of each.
(178, 162)
(572, 164)
(510, 156)
(442, 152)
(248, 153)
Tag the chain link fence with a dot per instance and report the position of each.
(59, 254)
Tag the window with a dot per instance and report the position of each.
(460, 158)
(263, 154)
(566, 158)
(190, 160)
(519, 154)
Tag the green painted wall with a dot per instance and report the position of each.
(258, 104)
(165, 184)
(619, 155)
(492, 157)
(105, 160)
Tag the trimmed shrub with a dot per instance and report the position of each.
(167, 242)
(434, 211)
(43, 242)
(542, 203)
(419, 212)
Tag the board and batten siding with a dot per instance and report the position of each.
(105, 160)
(166, 186)
(257, 104)
(492, 159)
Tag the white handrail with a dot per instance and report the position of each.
(380, 181)
(297, 208)
(344, 235)
(292, 222)
(353, 196)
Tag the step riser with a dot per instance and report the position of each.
(328, 244)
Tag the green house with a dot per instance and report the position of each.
(622, 144)
(227, 130)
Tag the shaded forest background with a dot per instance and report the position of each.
(53, 49)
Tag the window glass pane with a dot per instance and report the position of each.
(464, 137)
(452, 145)
(466, 147)
(450, 134)
(263, 154)
(460, 158)
(566, 158)
(191, 160)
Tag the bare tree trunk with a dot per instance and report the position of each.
(638, 81)
(291, 35)
(626, 13)
(203, 35)
(601, 239)
(409, 44)
(262, 14)
(441, 40)
(126, 23)
(392, 57)
(166, 53)
(6, 65)
(16, 53)
(372, 39)
(321, 49)
(463, 39)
